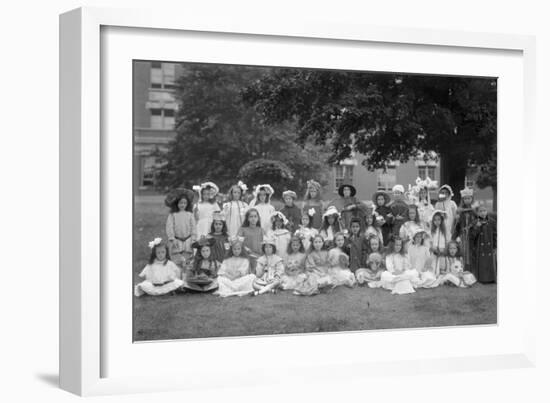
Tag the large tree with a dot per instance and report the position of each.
(387, 117)
(217, 133)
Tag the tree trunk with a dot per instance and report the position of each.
(452, 172)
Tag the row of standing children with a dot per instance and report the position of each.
(390, 220)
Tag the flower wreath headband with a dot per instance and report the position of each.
(155, 242)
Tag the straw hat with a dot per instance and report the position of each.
(398, 188)
(218, 216)
(448, 188)
(352, 189)
(331, 210)
(280, 215)
(467, 192)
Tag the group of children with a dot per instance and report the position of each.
(399, 242)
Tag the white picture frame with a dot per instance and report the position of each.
(85, 311)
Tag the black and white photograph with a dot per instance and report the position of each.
(273, 200)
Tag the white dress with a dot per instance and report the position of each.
(234, 216)
(282, 238)
(421, 261)
(399, 277)
(307, 234)
(425, 211)
(160, 278)
(438, 242)
(234, 277)
(204, 212)
(265, 210)
(449, 207)
(179, 226)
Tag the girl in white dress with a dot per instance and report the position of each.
(449, 207)
(280, 233)
(305, 231)
(438, 239)
(422, 261)
(452, 271)
(269, 268)
(331, 226)
(425, 207)
(181, 228)
(206, 207)
(410, 226)
(234, 276)
(399, 277)
(235, 208)
(161, 274)
(262, 203)
(294, 263)
(339, 271)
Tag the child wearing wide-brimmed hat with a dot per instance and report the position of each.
(291, 211)
(161, 274)
(269, 269)
(181, 228)
(349, 206)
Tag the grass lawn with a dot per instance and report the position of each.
(204, 315)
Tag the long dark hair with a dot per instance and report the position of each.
(335, 227)
(174, 206)
(153, 255)
(289, 247)
(199, 259)
(224, 228)
(442, 227)
(392, 246)
(246, 222)
(416, 217)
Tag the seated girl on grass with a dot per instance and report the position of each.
(452, 269)
(339, 271)
(234, 276)
(294, 263)
(203, 274)
(161, 274)
(269, 269)
(421, 260)
(317, 267)
(399, 277)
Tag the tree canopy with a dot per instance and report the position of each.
(386, 117)
(217, 134)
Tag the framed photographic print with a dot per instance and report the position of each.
(280, 200)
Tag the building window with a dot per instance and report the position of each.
(148, 171)
(163, 118)
(163, 75)
(342, 174)
(426, 171)
(386, 179)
